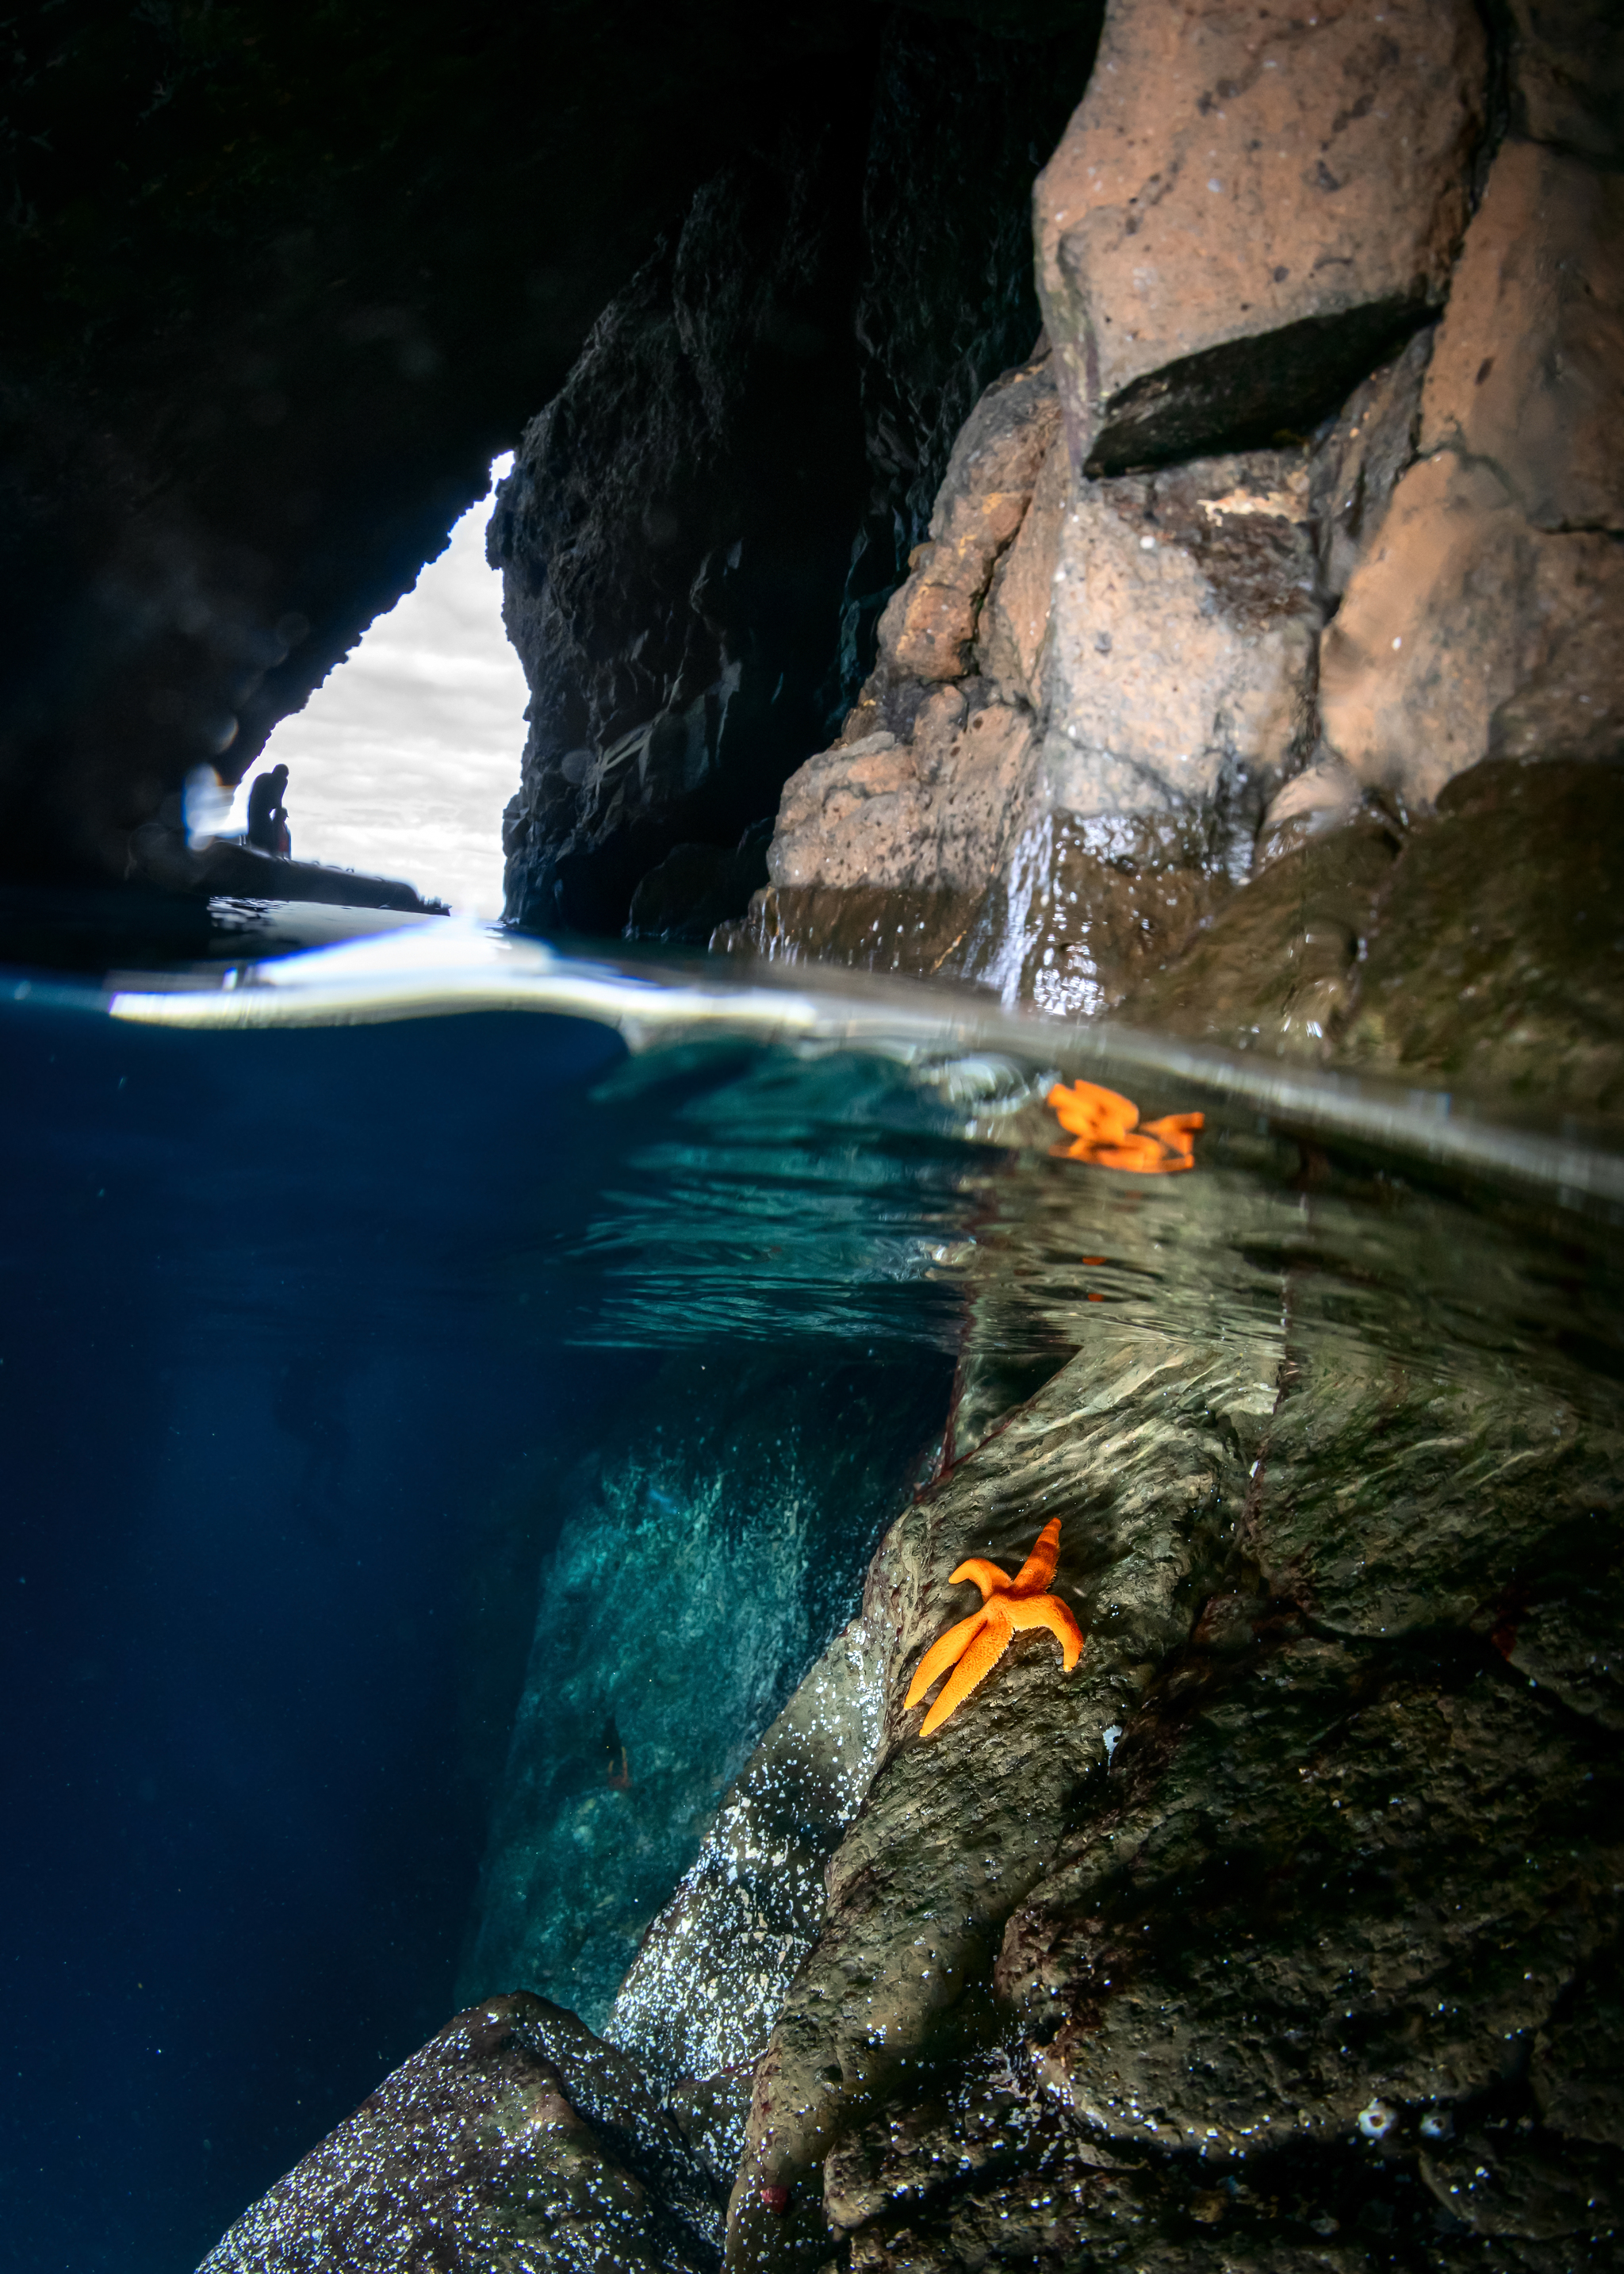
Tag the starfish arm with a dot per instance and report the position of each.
(987, 1577)
(1039, 1568)
(1049, 1611)
(976, 1664)
(941, 1655)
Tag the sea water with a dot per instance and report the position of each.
(329, 1278)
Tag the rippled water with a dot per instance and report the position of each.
(322, 1284)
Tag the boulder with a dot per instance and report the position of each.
(513, 2138)
(1182, 643)
(1476, 948)
(1141, 1446)
(1465, 626)
(1246, 210)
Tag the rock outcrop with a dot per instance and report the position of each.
(1323, 594)
(1244, 210)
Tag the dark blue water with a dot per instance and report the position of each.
(263, 1378)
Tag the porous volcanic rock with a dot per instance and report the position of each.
(1486, 612)
(1244, 211)
(1182, 644)
(935, 813)
(514, 2138)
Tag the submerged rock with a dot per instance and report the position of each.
(514, 2139)
(704, 1560)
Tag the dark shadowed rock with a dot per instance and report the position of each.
(514, 2139)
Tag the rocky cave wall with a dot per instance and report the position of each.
(278, 290)
(703, 523)
(1243, 603)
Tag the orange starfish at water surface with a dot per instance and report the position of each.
(977, 1644)
(1107, 1130)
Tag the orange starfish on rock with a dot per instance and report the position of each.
(977, 1644)
(1107, 1130)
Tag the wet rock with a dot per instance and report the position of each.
(1094, 903)
(714, 1968)
(733, 1543)
(1370, 1511)
(941, 1851)
(1476, 947)
(1276, 967)
(929, 625)
(1239, 220)
(1182, 641)
(514, 2138)
(1576, 2067)
(867, 928)
(1325, 795)
(935, 813)
(1497, 957)
(1356, 465)
(696, 888)
(1315, 1911)
(1013, 629)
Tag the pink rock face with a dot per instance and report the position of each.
(1181, 641)
(1467, 631)
(1486, 616)
(1529, 367)
(1014, 621)
(1238, 176)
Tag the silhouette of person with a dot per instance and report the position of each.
(267, 815)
